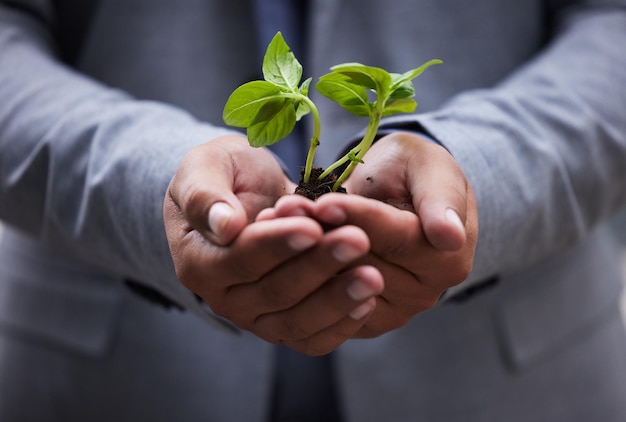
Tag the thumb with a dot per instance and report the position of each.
(443, 225)
(442, 198)
(225, 222)
(202, 190)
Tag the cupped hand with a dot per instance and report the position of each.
(416, 273)
(410, 172)
(429, 233)
(283, 279)
(219, 187)
(419, 213)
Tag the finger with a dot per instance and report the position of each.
(291, 282)
(287, 206)
(404, 296)
(349, 294)
(440, 196)
(266, 214)
(396, 236)
(327, 340)
(225, 220)
(412, 173)
(191, 192)
(292, 205)
(210, 270)
(225, 173)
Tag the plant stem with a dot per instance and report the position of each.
(315, 137)
(340, 162)
(360, 149)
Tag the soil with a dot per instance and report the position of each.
(316, 187)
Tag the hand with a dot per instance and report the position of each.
(219, 187)
(419, 253)
(415, 174)
(268, 277)
(434, 239)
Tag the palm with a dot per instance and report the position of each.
(385, 174)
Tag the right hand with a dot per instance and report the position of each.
(284, 279)
(419, 212)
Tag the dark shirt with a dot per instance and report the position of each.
(304, 388)
(286, 16)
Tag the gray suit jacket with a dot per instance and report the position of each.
(95, 118)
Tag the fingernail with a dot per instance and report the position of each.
(219, 216)
(300, 242)
(297, 213)
(344, 252)
(363, 309)
(333, 215)
(358, 291)
(454, 218)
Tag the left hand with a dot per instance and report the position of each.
(415, 174)
(417, 208)
(277, 279)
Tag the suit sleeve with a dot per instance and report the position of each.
(545, 150)
(84, 168)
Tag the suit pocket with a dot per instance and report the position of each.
(80, 321)
(559, 302)
(56, 302)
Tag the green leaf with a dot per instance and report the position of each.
(269, 110)
(304, 88)
(370, 77)
(350, 96)
(302, 109)
(280, 65)
(401, 89)
(414, 73)
(402, 105)
(246, 102)
(352, 157)
(273, 127)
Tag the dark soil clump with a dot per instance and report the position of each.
(316, 187)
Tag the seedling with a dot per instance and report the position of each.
(270, 108)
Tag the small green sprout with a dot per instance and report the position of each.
(269, 109)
